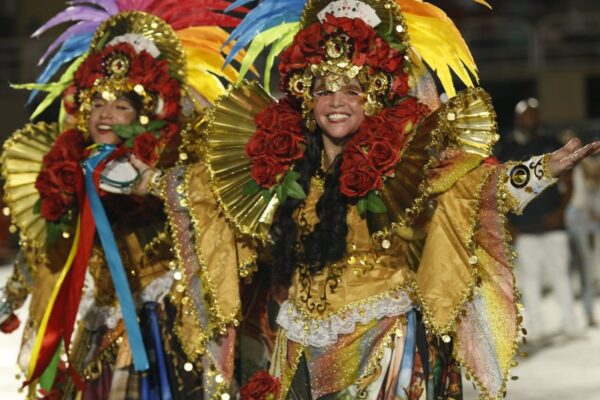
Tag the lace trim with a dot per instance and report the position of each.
(325, 331)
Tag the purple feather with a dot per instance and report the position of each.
(75, 30)
(78, 13)
(110, 6)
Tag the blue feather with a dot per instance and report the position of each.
(71, 49)
(267, 14)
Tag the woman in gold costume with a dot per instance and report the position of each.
(376, 214)
(98, 262)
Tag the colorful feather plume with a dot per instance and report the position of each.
(433, 37)
(86, 16)
(272, 23)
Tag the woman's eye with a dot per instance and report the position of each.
(323, 93)
(97, 104)
(352, 92)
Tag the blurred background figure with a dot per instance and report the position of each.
(581, 226)
(539, 235)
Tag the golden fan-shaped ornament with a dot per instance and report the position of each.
(21, 160)
(470, 120)
(467, 122)
(227, 127)
(151, 27)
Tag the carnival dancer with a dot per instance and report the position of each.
(377, 209)
(137, 77)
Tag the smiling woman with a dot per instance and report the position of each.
(97, 262)
(339, 114)
(107, 113)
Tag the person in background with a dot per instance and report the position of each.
(539, 234)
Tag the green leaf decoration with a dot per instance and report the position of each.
(267, 195)
(281, 193)
(37, 206)
(250, 188)
(295, 191)
(362, 206)
(375, 204)
(155, 125)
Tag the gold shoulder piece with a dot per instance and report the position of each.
(21, 161)
(227, 127)
(469, 120)
(466, 122)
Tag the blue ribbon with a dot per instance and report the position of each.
(113, 259)
(153, 335)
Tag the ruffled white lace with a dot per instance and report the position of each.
(324, 331)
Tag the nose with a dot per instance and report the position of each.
(105, 111)
(337, 98)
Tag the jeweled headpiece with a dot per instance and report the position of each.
(419, 31)
(340, 48)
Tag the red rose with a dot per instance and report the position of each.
(353, 157)
(145, 69)
(408, 110)
(68, 146)
(383, 157)
(359, 181)
(257, 145)
(284, 146)
(69, 176)
(266, 171)
(145, 148)
(53, 207)
(400, 85)
(310, 42)
(259, 386)
(266, 118)
(47, 183)
(89, 71)
(10, 324)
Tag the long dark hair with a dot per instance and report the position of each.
(327, 242)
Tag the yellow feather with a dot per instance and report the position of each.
(206, 84)
(203, 47)
(435, 38)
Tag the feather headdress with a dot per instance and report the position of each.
(431, 37)
(197, 23)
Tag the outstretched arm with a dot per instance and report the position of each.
(568, 156)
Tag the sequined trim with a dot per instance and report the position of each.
(467, 295)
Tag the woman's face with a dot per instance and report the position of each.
(105, 114)
(339, 114)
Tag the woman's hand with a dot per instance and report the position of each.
(140, 188)
(568, 156)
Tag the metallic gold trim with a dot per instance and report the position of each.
(228, 126)
(468, 122)
(150, 27)
(21, 159)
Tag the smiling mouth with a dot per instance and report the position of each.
(104, 128)
(337, 117)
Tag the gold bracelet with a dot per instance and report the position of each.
(544, 161)
(154, 183)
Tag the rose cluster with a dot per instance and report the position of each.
(261, 386)
(61, 177)
(277, 142)
(367, 49)
(141, 69)
(375, 150)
